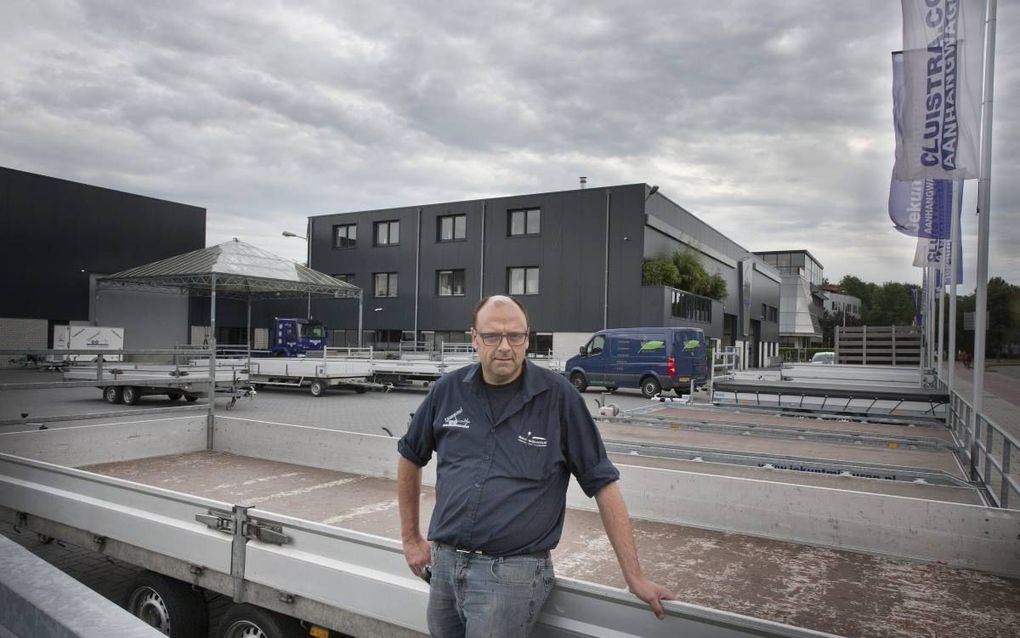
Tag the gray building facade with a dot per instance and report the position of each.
(56, 236)
(574, 258)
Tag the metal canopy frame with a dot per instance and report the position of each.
(235, 270)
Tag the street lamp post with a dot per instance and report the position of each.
(308, 262)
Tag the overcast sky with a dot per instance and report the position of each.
(769, 120)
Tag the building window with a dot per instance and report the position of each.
(522, 281)
(452, 228)
(526, 221)
(387, 233)
(384, 284)
(692, 307)
(450, 283)
(347, 277)
(345, 236)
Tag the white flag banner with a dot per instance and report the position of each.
(935, 252)
(938, 132)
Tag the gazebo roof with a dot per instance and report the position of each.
(236, 269)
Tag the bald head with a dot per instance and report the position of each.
(494, 301)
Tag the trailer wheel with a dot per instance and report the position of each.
(173, 396)
(131, 395)
(248, 621)
(113, 394)
(191, 398)
(579, 381)
(650, 387)
(171, 606)
(360, 390)
(318, 387)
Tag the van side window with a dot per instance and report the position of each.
(596, 345)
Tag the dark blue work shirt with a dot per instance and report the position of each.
(502, 482)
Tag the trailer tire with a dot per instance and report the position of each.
(317, 387)
(131, 395)
(191, 398)
(174, 396)
(360, 390)
(113, 394)
(169, 605)
(242, 621)
(650, 387)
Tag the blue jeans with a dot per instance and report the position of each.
(476, 596)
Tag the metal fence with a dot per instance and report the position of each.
(991, 455)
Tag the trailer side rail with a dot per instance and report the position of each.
(326, 575)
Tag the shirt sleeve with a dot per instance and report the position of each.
(585, 453)
(419, 442)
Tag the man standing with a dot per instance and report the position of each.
(509, 435)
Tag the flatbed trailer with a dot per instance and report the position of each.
(318, 375)
(302, 521)
(358, 368)
(129, 382)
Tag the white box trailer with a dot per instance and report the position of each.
(88, 338)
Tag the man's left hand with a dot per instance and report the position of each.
(652, 593)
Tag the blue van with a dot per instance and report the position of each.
(652, 359)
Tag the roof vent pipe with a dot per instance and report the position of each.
(584, 181)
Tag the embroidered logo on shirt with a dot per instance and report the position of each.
(453, 422)
(532, 441)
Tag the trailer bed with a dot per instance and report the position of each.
(841, 592)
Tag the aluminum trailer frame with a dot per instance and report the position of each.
(346, 580)
(809, 394)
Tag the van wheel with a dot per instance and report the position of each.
(317, 388)
(168, 605)
(579, 381)
(113, 394)
(650, 387)
(131, 395)
(244, 621)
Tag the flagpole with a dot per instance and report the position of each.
(954, 222)
(984, 211)
(930, 319)
(944, 254)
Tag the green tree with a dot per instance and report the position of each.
(683, 270)
(659, 271)
(692, 273)
(891, 304)
(1003, 318)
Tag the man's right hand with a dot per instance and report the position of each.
(418, 554)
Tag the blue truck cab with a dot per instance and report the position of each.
(295, 337)
(651, 359)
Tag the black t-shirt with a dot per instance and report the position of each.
(500, 395)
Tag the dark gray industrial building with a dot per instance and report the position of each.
(573, 257)
(57, 235)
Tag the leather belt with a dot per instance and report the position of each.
(477, 552)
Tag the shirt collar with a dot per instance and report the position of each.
(534, 382)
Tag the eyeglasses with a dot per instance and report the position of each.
(494, 338)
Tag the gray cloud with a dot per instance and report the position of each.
(769, 120)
